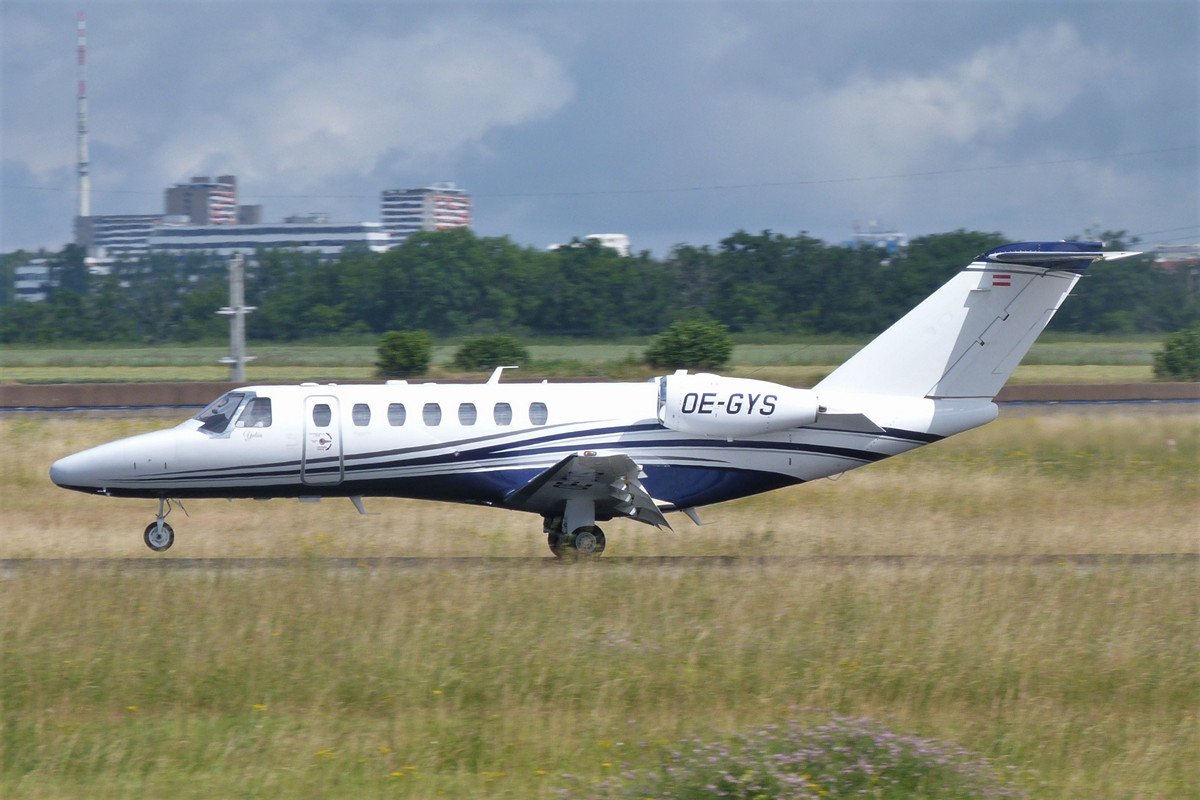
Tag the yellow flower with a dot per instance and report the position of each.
(437, 691)
(396, 774)
(131, 708)
(540, 772)
(259, 706)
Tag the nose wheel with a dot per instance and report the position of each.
(158, 535)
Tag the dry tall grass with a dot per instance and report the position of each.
(491, 680)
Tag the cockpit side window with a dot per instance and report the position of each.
(257, 414)
(220, 412)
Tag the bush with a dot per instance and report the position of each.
(487, 352)
(842, 758)
(1179, 360)
(404, 353)
(691, 344)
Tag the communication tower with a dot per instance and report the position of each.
(85, 186)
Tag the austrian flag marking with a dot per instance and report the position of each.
(1000, 279)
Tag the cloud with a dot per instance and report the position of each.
(378, 103)
(900, 121)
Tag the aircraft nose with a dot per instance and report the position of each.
(72, 472)
(117, 464)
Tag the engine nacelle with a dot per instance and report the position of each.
(717, 406)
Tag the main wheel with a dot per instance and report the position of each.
(158, 540)
(588, 542)
(584, 543)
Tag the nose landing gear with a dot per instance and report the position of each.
(159, 536)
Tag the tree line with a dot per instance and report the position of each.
(454, 283)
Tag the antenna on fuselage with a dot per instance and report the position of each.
(237, 311)
(498, 371)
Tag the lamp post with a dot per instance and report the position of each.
(237, 311)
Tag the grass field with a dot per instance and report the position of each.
(1084, 360)
(494, 679)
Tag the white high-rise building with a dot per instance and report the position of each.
(32, 282)
(437, 207)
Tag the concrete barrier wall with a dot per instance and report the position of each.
(151, 395)
(110, 395)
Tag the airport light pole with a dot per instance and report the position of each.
(237, 311)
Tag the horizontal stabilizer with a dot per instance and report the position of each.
(1073, 256)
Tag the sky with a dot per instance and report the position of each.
(672, 122)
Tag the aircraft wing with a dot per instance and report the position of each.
(611, 482)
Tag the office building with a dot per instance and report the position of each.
(116, 236)
(438, 207)
(204, 201)
(32, 281)
(324, 238)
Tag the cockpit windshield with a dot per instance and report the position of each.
(220, 412)
(257, 414)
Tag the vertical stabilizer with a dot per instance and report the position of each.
(966, 338)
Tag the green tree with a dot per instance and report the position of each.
(487, 352)
(402, 354)
(691, 344)
(1179, 360)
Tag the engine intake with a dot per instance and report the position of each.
(718, 406)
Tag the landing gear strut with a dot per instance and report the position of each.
(159, 535)
(583, 543)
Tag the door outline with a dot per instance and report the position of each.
(312, 443)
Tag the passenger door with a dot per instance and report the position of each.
(321, 463)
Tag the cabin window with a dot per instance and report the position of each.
(432, 414)
(257, 414)
(361, 414)
(322, 415)
(538, 413)
(396, 414)
(502, 413)
(219, 413)
(467, 413)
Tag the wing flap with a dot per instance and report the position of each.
(611, 482)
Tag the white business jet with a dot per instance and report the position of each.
(578, 454)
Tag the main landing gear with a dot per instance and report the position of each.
(583, 543)
(159, 535)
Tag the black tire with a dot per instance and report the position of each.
(154, 541)
(566, 546)
(588, 542)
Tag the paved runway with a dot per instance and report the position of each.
(184, 564)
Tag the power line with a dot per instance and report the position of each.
(687, 189)
(827, 181)
(1167, 230)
